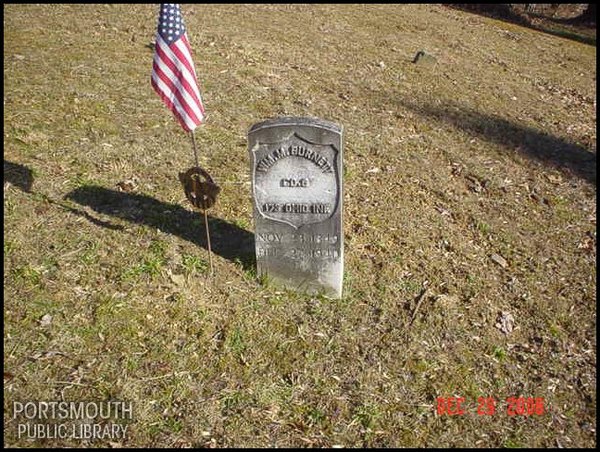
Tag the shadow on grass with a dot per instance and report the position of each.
(22, 177)
(568, 157)
(564, 28)
(566, 33)
(227, 240)
(18, 175)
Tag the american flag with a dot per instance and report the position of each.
(173, 73)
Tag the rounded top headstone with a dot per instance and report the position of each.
(295, 121)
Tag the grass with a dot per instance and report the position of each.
(465, 172)
(151, 265)
(500, 353)
(194, 264)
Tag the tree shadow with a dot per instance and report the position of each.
(564, 28)
(18, 175)
(568, 157)
(227, 240)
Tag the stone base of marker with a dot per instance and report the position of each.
(296, 167)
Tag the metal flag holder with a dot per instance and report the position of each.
(200, 190)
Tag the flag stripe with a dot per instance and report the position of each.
(166, 88)
(172, 106)
(173, 81)
(173, 74)
(183, 51)
(180, 75)
(184, 47)
(188, 46)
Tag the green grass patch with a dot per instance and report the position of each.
(152, 262)
(194, 264)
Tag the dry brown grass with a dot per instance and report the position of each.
(491, 151)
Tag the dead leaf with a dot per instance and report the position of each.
(178, 279)
(456, 168)
(127, 185)
(447, 301)
(588, 243)
(46, 320)
(499, 260)
(555, 179)
(505, 322)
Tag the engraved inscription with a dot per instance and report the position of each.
(291, 207)
(263, 252)
(302, 253)
(269, 237)
(295, 180)
(294, 151)
(270, 207)
(315, 238)
(301, 238)
(291, 182)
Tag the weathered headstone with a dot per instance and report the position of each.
(296, 167)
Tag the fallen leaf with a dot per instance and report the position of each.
(178, 279)
(505, 322)
(447, 301)
(499, 260)
(588, 243)
(127, 185)
(555, 179)
(46, 320)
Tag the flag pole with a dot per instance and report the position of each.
(212, 272)
(195, 148)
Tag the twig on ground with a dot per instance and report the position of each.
(419, 301)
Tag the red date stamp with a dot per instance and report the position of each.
(488, 406)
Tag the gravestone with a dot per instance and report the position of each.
(296, 167)
(424, 58)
